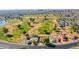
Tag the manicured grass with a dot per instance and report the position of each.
(3, 36)
(46, 28)
(17, 31)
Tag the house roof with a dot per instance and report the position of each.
(34, 38)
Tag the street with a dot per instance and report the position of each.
(17, 46)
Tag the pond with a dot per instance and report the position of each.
(2, 23)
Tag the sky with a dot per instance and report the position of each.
(39, 4)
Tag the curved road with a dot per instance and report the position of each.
(4, 45)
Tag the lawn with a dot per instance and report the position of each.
(3, 36)
(46, 28)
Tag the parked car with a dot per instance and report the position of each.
(50, 45)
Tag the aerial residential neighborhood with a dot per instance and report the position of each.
(37, 29)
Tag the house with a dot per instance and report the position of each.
(35, 38)
(72, 36)
(2, 17)
(63, 23)
(58, 38)
(54, 38)
(32, 39)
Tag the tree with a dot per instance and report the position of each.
(18, 25)
(45, 18)
(9, 35)
(28, 37)
(5, 30)
(65, 38)
(46, 32)
(20, 18)
(75, 28)
(24, 32)
(32, 19)
(46, 41)
(34, 42)
(75, 38)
